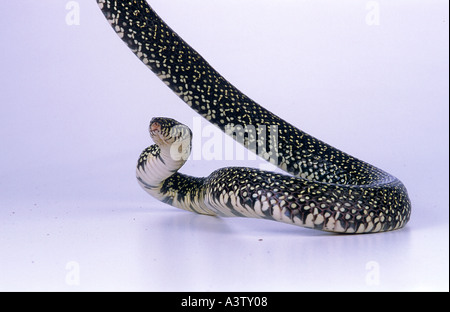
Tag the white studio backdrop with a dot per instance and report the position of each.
(368, 77)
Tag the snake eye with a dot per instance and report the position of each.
(154, 126)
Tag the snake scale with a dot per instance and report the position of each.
(324, 188)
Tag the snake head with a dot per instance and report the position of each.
(170, 134)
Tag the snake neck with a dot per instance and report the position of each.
(157, 174)
(155, 166)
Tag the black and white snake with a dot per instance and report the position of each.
(326, 189)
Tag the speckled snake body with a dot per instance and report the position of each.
(324, 188)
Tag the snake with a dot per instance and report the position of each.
(321, 187)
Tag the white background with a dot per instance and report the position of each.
(75, 107)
